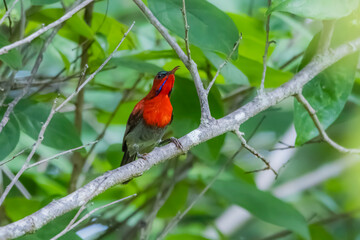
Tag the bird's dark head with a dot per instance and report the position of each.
(164, 82)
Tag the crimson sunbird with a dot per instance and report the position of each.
(149, 119)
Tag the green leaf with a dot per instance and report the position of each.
(43, 2)
(252, 44)
(121, 116)
(318, 232)
(186, 236)
(328, 92)
(139, 65)
(13, 57)
(65, 60)
(17, 207)
(262, 205)
(114, 155)
(204, 20)
(113, 31)
(232, 74)
(60, 134)
(175, 202)
(187, 115)
(315, 9)
(9, 136)
(253, 71)
(47, 184)
(73, 27)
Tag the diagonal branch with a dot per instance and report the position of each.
(223, 65)
(255, 153)
(34, 70)
(203, 133)
(31, 37)
(8, 12)
(52, 113)
(301, 99)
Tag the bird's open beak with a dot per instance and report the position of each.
(174, 70)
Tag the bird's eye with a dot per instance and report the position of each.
(161, 75)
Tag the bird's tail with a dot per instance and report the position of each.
(127, 158)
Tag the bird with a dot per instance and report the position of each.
(149, 119)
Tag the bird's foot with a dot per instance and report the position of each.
(143, 156)
(174, 141)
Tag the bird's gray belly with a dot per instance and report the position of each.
(142, 139)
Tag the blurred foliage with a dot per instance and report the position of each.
(325, 202)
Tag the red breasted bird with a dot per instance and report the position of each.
(149, 119)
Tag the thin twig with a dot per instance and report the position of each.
(291, 60)
(36, 145)
(31, 37)
(86, 216)
(255, 153)
(267, 44)
(7, 14)
(223, 64)
(328, 220)
(34, 70)
(18, 184)
(52, 112)
(60, 154)
(301, 99)
(187, 27)
(97, 70)
(16, 155)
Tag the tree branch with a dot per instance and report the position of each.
(255, 153)
(267, 44)
(31, 37)
(230, 122)
(52, 113)
(187, 27)
(301, 99)
(223, 65)
(34, 70)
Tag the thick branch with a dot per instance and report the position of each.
(197, 136)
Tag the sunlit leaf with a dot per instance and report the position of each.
(316, 9)
(253, 71)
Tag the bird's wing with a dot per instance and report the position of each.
(134, 119)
